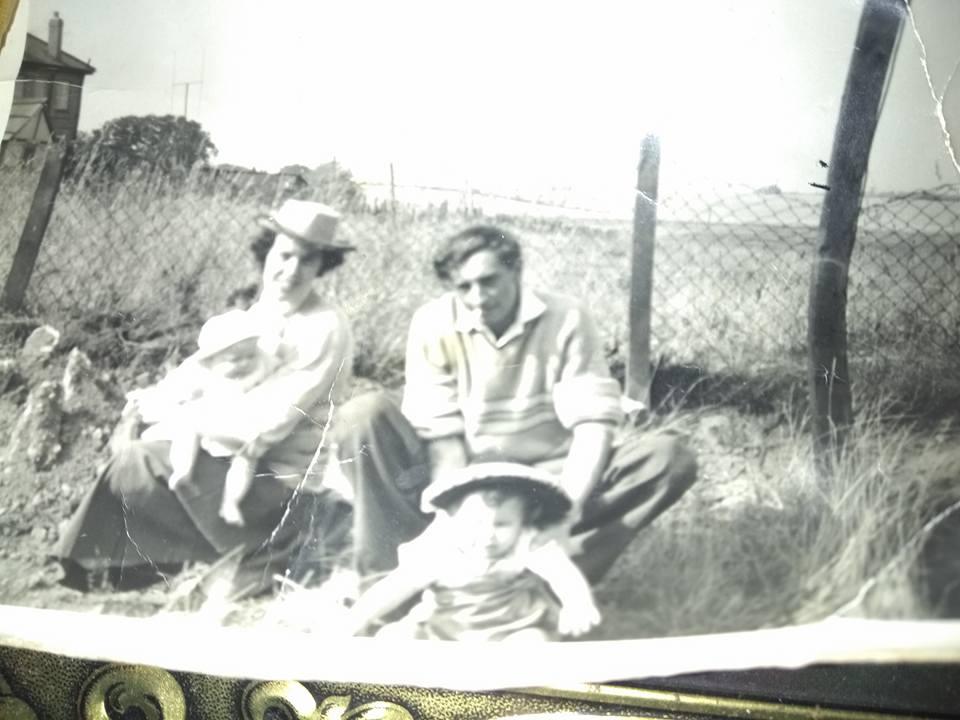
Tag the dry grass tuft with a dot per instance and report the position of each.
(762, 541)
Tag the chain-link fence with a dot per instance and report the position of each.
(732, 275)
(730, 281)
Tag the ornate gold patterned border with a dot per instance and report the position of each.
(8, 11)
(37, 686)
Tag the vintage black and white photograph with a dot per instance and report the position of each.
(481, 322)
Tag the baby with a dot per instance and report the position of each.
(486, 572)
(227, 364)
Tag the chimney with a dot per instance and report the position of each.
(55, 35)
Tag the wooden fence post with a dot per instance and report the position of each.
(829, 378)
(18, 279)
(393, 195)
(641, 271)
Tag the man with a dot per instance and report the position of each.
(497, 371)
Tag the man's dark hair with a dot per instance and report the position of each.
(263, 241)
(457, 248)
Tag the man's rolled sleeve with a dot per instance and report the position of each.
(430, 397)
(585, 391)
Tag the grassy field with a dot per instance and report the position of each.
(130, 271)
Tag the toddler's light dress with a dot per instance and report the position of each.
(476, 599)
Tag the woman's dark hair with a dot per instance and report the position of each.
(457, 248)
(263, 241)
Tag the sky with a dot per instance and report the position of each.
(523, 98)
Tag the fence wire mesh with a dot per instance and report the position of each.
(732, 276)
(731, 269)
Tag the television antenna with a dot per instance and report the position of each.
(185, 84)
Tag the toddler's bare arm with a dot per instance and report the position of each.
(578, 611)
(385, 596)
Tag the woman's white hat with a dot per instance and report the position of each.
(542, 487)
(310, 222)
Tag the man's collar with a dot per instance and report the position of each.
(531, 307)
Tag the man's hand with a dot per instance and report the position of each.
(578, 615)
(446, 454)
(587, 459)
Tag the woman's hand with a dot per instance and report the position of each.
(152, 404)
(134, 404)
(128, 427)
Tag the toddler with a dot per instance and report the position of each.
(485, 571)
(227, 364)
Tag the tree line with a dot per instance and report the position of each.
(173, 146)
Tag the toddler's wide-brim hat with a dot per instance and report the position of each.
(310, 222)
(542, 487)
(222, 332)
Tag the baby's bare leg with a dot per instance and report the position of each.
(236, 485)
(183, 454)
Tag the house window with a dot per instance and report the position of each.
(60, 95)
(30, 89)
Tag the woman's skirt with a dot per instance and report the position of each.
(131, 526)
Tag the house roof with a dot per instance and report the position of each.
(37, 52)
(28, 122)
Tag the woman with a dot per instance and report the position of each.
(134, 528)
